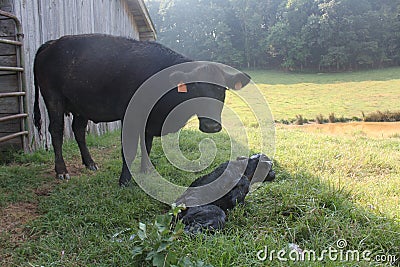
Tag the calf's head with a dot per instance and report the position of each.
(208, 83)
(259, 167)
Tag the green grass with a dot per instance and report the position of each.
(278, 77)
(327, 188)
(345, 94)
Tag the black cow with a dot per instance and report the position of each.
(94, 77)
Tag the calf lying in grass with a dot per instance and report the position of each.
(235, 176)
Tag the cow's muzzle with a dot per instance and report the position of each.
(209, 125)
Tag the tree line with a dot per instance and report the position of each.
(325, 35)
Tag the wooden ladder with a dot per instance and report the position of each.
(13, 117)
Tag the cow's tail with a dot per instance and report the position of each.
(37, 118)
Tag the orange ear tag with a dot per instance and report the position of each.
(238, 85)
(182, 88)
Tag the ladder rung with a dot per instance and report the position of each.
(2, 68)
(13, 117)
(12, 94)
(11, 42)
(11, 136)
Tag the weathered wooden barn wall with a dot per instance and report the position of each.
(45, 20)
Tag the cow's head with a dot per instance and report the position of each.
(219, 80)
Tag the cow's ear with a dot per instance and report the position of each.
(241, 158)
(178, 78)
(237, 81)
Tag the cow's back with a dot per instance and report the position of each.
(98, 74)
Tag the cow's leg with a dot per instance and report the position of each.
(145, 145)
(56, 128)
(79, 126)
(126, 176)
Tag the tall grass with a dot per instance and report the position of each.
(379, 116)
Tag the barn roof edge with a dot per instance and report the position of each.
(142, 19)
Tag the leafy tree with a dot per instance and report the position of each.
(294, 34)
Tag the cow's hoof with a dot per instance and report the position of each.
(92, 167)
(147, 169)
(63, 176)
(124, 181)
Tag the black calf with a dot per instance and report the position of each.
(208, 217)
(212, 216)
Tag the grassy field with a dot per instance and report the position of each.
(328, 188)
(344, 94)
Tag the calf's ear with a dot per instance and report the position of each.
(237, 81)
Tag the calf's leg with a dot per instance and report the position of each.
(79, 126)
